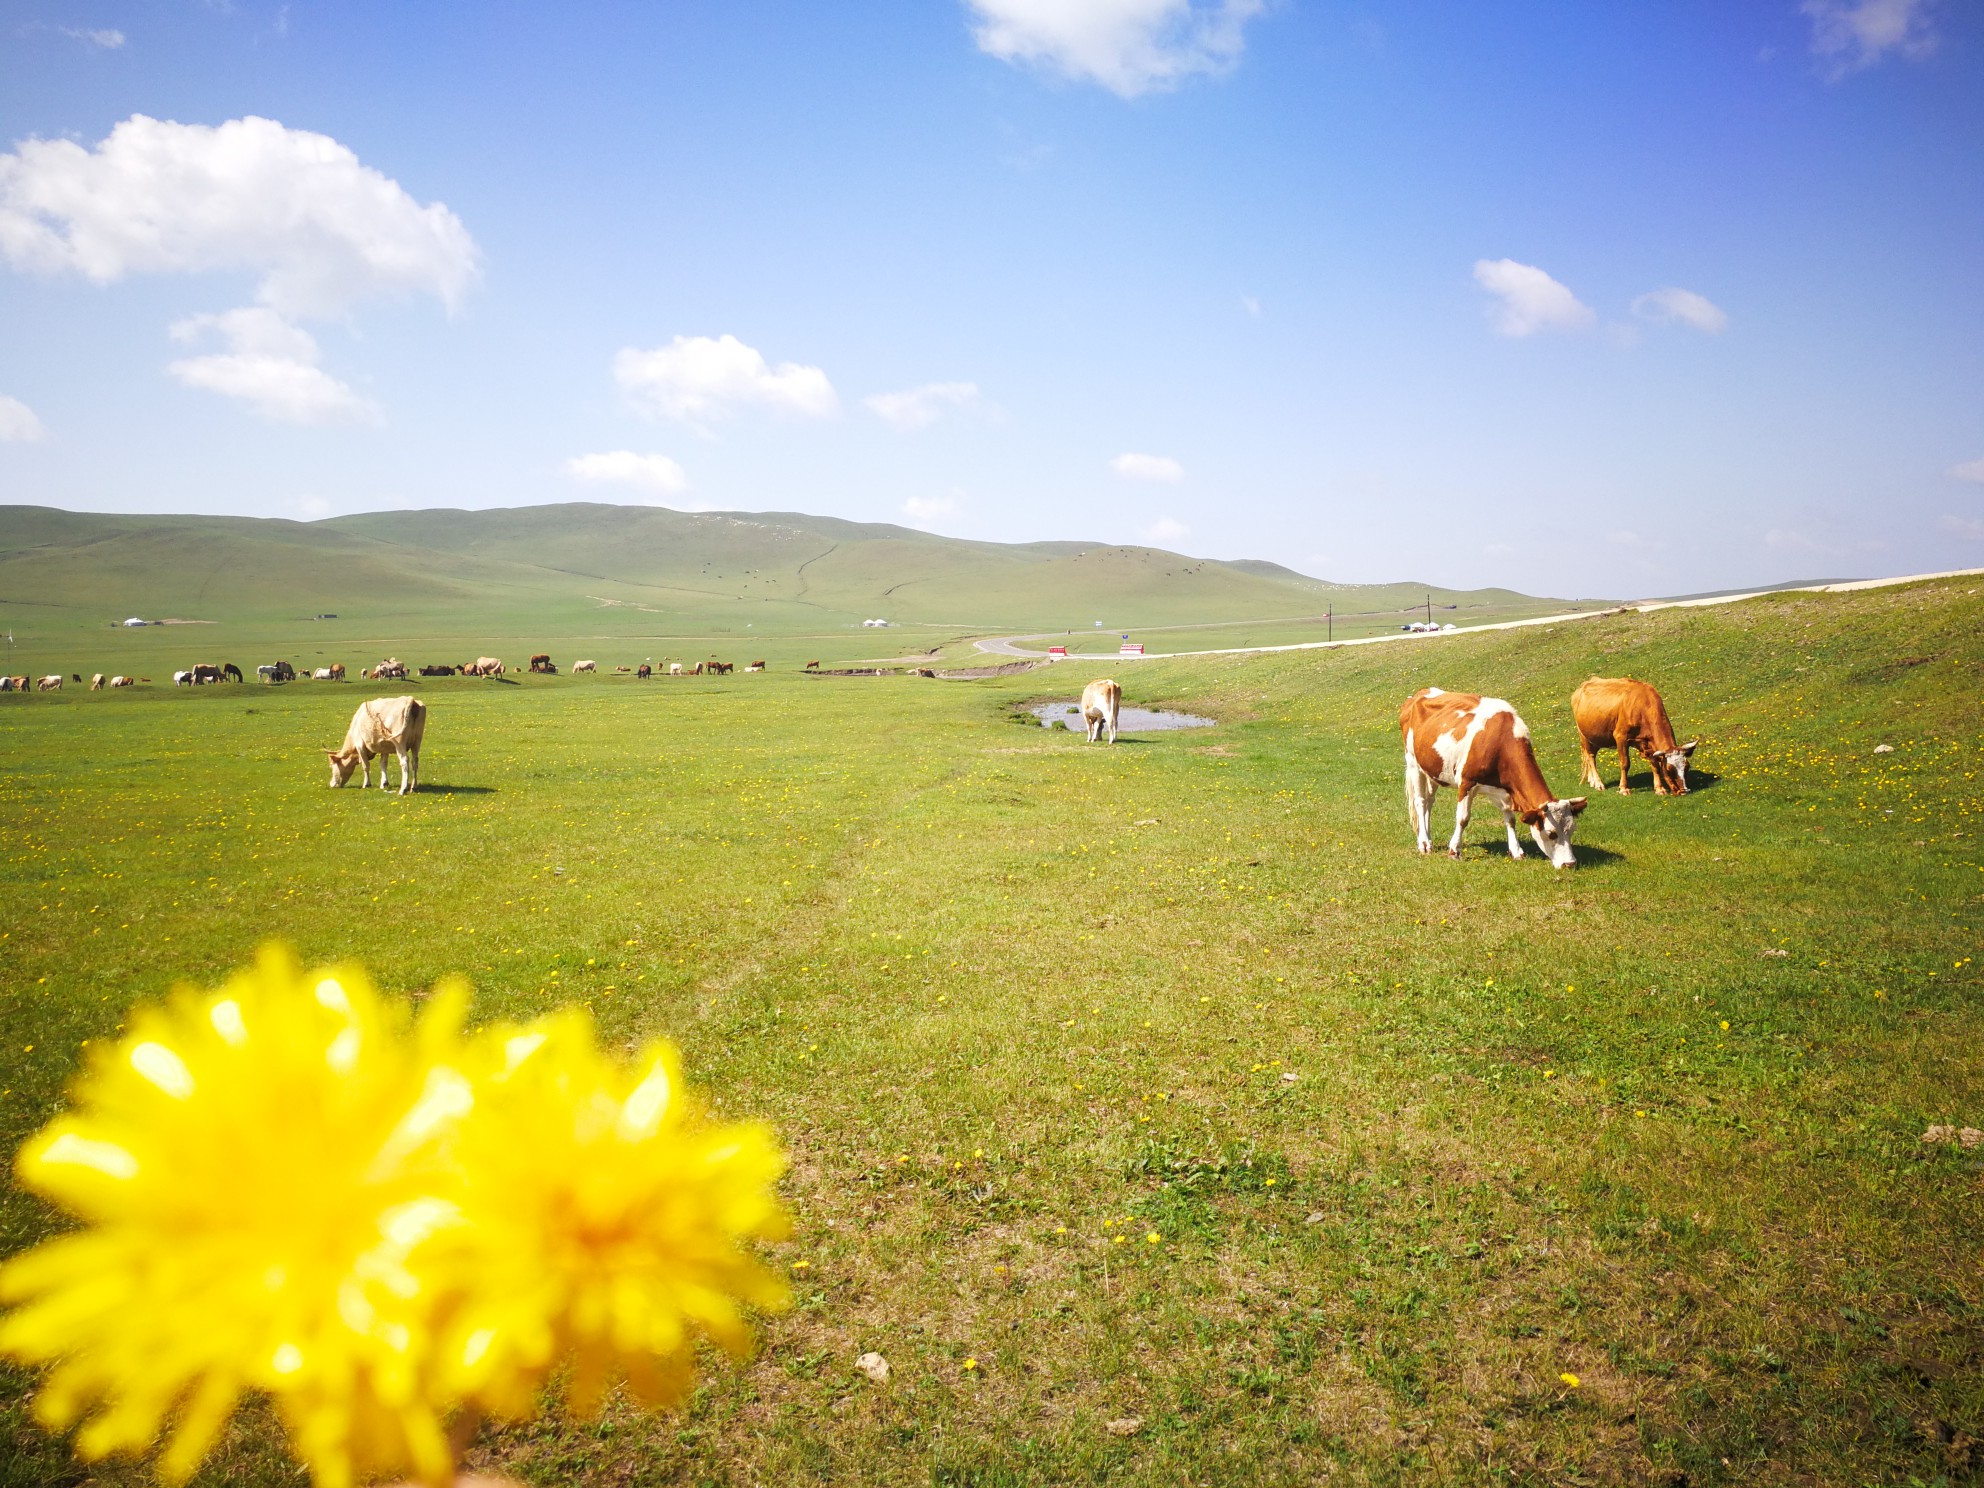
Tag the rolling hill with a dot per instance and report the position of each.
(589, 571)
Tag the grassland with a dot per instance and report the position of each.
(612, 583)
(1416, 1138)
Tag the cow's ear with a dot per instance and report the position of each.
(1575, 805)
(1534, 816)
(1688, 749)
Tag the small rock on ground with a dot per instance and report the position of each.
(874, 1366)
(1127, 1426)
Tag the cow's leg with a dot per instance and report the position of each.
(1420, 789)
(1509, 820)
(1587, 750)
(1625, 761)
(1112, 725)
(1462, 807)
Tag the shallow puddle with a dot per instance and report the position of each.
(1128, 720)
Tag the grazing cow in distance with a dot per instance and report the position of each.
(623, 669)
(205, 672)
(644, 671)
(582, 666)
(675, 669)
(437, 671)
(1627, 714)
(182, 679)
(1480, 744)
(233, 673)
(812, 666)
(121, 681)
(323, 674)
(756, 666)
(336, 669)
(20, 683)
(1101, 703)
(49, 684)
(381, 725)
(483, 666)
(96, 682)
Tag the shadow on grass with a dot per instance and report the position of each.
(455, 790)
(1588, 857)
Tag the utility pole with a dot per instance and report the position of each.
(1429, 609)
(1329, 619)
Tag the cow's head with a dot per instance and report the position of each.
(1671, 767)
(342, 766)
(1551, 825)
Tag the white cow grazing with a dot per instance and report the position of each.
(96, 682)
(584, 666)
(1101, 702)
(675, 669)
(122, 681)
(182, 679)
(381, 725)
(49, 684)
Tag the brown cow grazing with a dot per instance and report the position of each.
(381, 725)
(1626, 714)
(812, 666)
(336, 669)
(1479, 744)
(644, 671)
(49, 684)
(96, 682)
(756, 666)
(1101, 703)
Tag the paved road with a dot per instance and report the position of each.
(1006, 645)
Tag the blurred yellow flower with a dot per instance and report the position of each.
(291, 1187)
(603, 1220)
(254, 1165)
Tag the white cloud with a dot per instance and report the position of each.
(1165, 531)
(110, 40)
(919, 407)
(297, 208)
(271, 366)
(1968, 528)
(1128, 46)
(1529, 299)
(624, 467)
(18, 424)
(1148, 467)
(697, 380)
(1851, 34)
(1682, 307)
(927, 511)
(1970, 470)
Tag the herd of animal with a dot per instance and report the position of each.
(391, 669)
(1480, 746)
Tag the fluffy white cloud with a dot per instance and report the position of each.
(926, 511)
(1682, 307)
(1148, 467)
(322, 230)
(919, 407)
(1970, 470)
(271, 366)
(1165, 531)
(697, 380)
(1851, 34)
(110, 40)
(624, 467)
(1128, 46)
(18, 424)
(1529, 300)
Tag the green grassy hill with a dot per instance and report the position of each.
(654, 581)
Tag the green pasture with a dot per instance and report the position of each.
(1165, 1083)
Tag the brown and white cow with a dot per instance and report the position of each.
(96, 681)
(122, 681)
(1480, 744)
(756, 666)
(381, 726)
(49, 684)
(1627, 714)
(584, 666)
(1102, 701)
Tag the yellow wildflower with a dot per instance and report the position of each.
(1569, 1379)
(254, 1165)
(604, 1216)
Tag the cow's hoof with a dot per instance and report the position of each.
(1454, 853)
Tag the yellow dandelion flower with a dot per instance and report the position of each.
(604, 1220)
(1570, 1380)
(254, 1166)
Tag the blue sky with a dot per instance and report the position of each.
(1635, 298)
